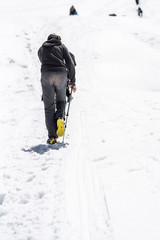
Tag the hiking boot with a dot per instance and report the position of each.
(60, 127)
(51, 140)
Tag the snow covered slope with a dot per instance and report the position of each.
(103, 183)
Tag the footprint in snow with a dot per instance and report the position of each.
(11, 61)
(40, 195)
(23, 66)
(3, 213)
(44, 168)
(100, 159)
(29, 238)
(2, 196)
(7, 176)
(29, 47)
(25, 199)
(30, 179)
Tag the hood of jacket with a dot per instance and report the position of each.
(52, 42)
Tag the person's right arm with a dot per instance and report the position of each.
(70, 66)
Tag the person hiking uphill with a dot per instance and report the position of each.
(140, 12)
(73, 11)
(56, 64)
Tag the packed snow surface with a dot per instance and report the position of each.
(103, 182)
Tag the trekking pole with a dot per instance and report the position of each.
(67, 115)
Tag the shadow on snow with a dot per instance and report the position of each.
(43, 148)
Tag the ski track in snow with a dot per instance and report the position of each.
(79, 190)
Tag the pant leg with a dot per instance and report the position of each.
(48, 90)
(60, 88)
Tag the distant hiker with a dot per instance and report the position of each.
(140, 12)
(137, 2)
(73, 11)
(56, 64)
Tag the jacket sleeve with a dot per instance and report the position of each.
(40, 54)
(73, 58)
(70, 65)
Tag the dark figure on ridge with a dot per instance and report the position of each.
(73, 11)
(137, 2)
(140, 12)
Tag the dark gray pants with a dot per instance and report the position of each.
(54, 98)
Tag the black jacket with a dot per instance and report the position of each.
(54, 57)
